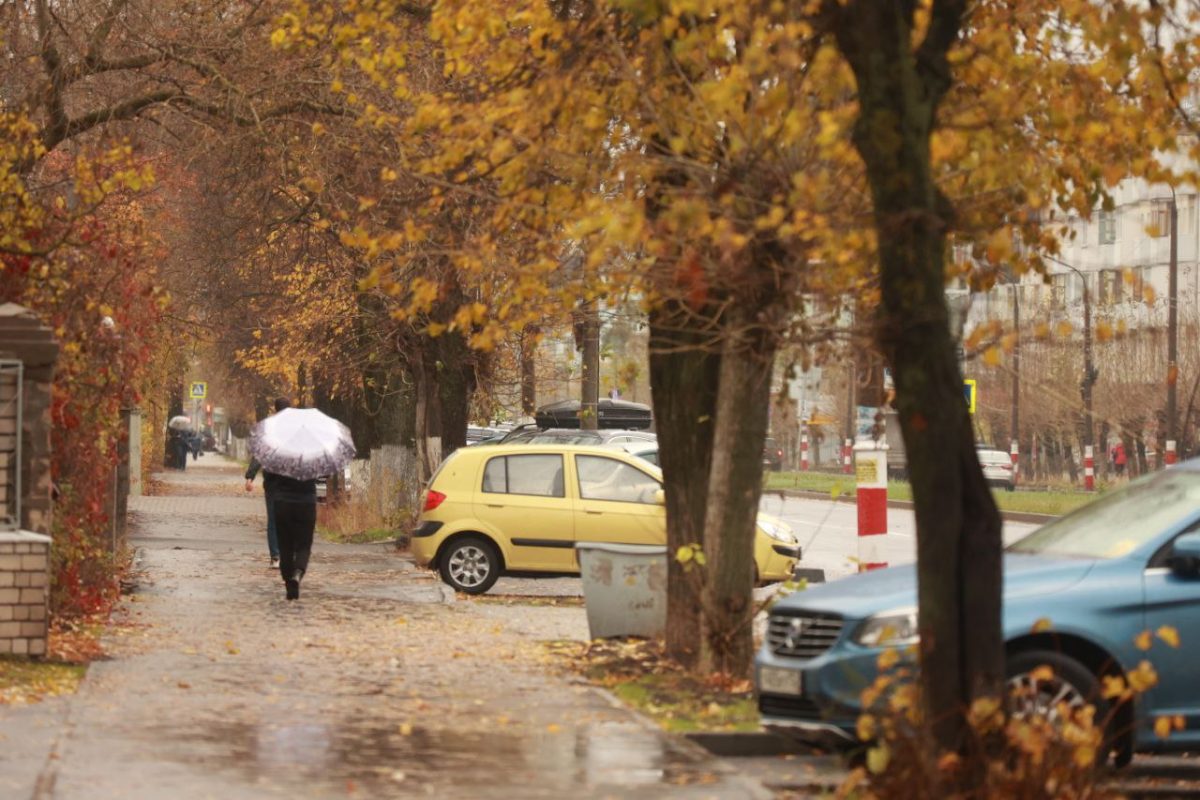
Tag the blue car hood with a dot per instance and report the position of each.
(860, 596)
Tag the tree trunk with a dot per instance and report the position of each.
(958, 526)
(428, 421)
(529, 370)
(455, 388)
(683, 384)
(734, 490)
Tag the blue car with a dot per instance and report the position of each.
(1077, 593)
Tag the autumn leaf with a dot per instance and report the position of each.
(1168, 634)
(1142, 678)
(866, 727)
(877, 759)
(1162, 727)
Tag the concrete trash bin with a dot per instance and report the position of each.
(624, 588)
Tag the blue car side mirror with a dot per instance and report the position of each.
(1184, 559)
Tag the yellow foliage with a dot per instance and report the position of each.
(1168, 634)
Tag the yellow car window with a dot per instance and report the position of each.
(539, 475)
(608, 479)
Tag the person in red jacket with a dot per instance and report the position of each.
(1117, 454)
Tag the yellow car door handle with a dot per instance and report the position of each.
(597, 513)
(494, 505)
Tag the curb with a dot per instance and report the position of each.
(748, 787)
(810, 494)
(740, 744)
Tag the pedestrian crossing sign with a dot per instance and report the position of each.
(969, 394)
(199, 390)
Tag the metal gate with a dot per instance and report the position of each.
(11, 373)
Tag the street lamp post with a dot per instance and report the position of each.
(1014, 422)
(1172, 331)
(1090, 373)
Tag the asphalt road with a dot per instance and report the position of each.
(828, 532)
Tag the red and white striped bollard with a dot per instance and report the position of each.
(804, 446)
(1015, 450)
(870, 470)
(847, 456)
(1089, 469)
(1171, 455)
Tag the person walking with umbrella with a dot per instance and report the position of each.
(177, 446)
(269, 482)
(298, 445)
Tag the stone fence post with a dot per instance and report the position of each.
(25, 550)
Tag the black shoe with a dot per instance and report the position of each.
(293, 589)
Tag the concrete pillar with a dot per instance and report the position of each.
(25, 554)
(135, 452)
(24, 592)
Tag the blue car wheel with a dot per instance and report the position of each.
(1072, 685)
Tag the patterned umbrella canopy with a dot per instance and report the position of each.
(180, 423)
(301, 443)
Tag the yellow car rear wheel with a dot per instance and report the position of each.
(469, 564)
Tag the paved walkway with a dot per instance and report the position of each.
(376, 683)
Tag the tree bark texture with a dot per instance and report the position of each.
(455, 388)
(734, 491)
(683, 384)
(958, 526)
(529, 370)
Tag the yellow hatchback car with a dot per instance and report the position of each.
(521, 509)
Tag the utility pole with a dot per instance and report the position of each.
(1015, 422)
(1172, 326)
(589, 402)
(1090, 373)
(1089, 368)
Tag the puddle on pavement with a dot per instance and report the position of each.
(368, 753)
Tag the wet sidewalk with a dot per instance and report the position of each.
(376, 683)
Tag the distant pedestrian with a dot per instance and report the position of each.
(1119, 458)
(270, 481)
(178, 449)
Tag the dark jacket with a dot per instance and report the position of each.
(281, 487)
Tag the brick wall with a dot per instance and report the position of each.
(24, 579)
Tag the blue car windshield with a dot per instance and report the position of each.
(1120, 522)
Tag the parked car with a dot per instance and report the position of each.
(521, 508)
(647, 451)
(772, 455)
(477, 433)
(577, 436)
(1077, 593)
(323, 486)
(997, 467)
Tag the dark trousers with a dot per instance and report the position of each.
(294, 524)
(272, 536)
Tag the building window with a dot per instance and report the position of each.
(1111, 283)
(1137, 284)
(1160, 219)
(1058, 290)
(1108, 227)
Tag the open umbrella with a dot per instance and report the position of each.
(301, 443)
(180, 423)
